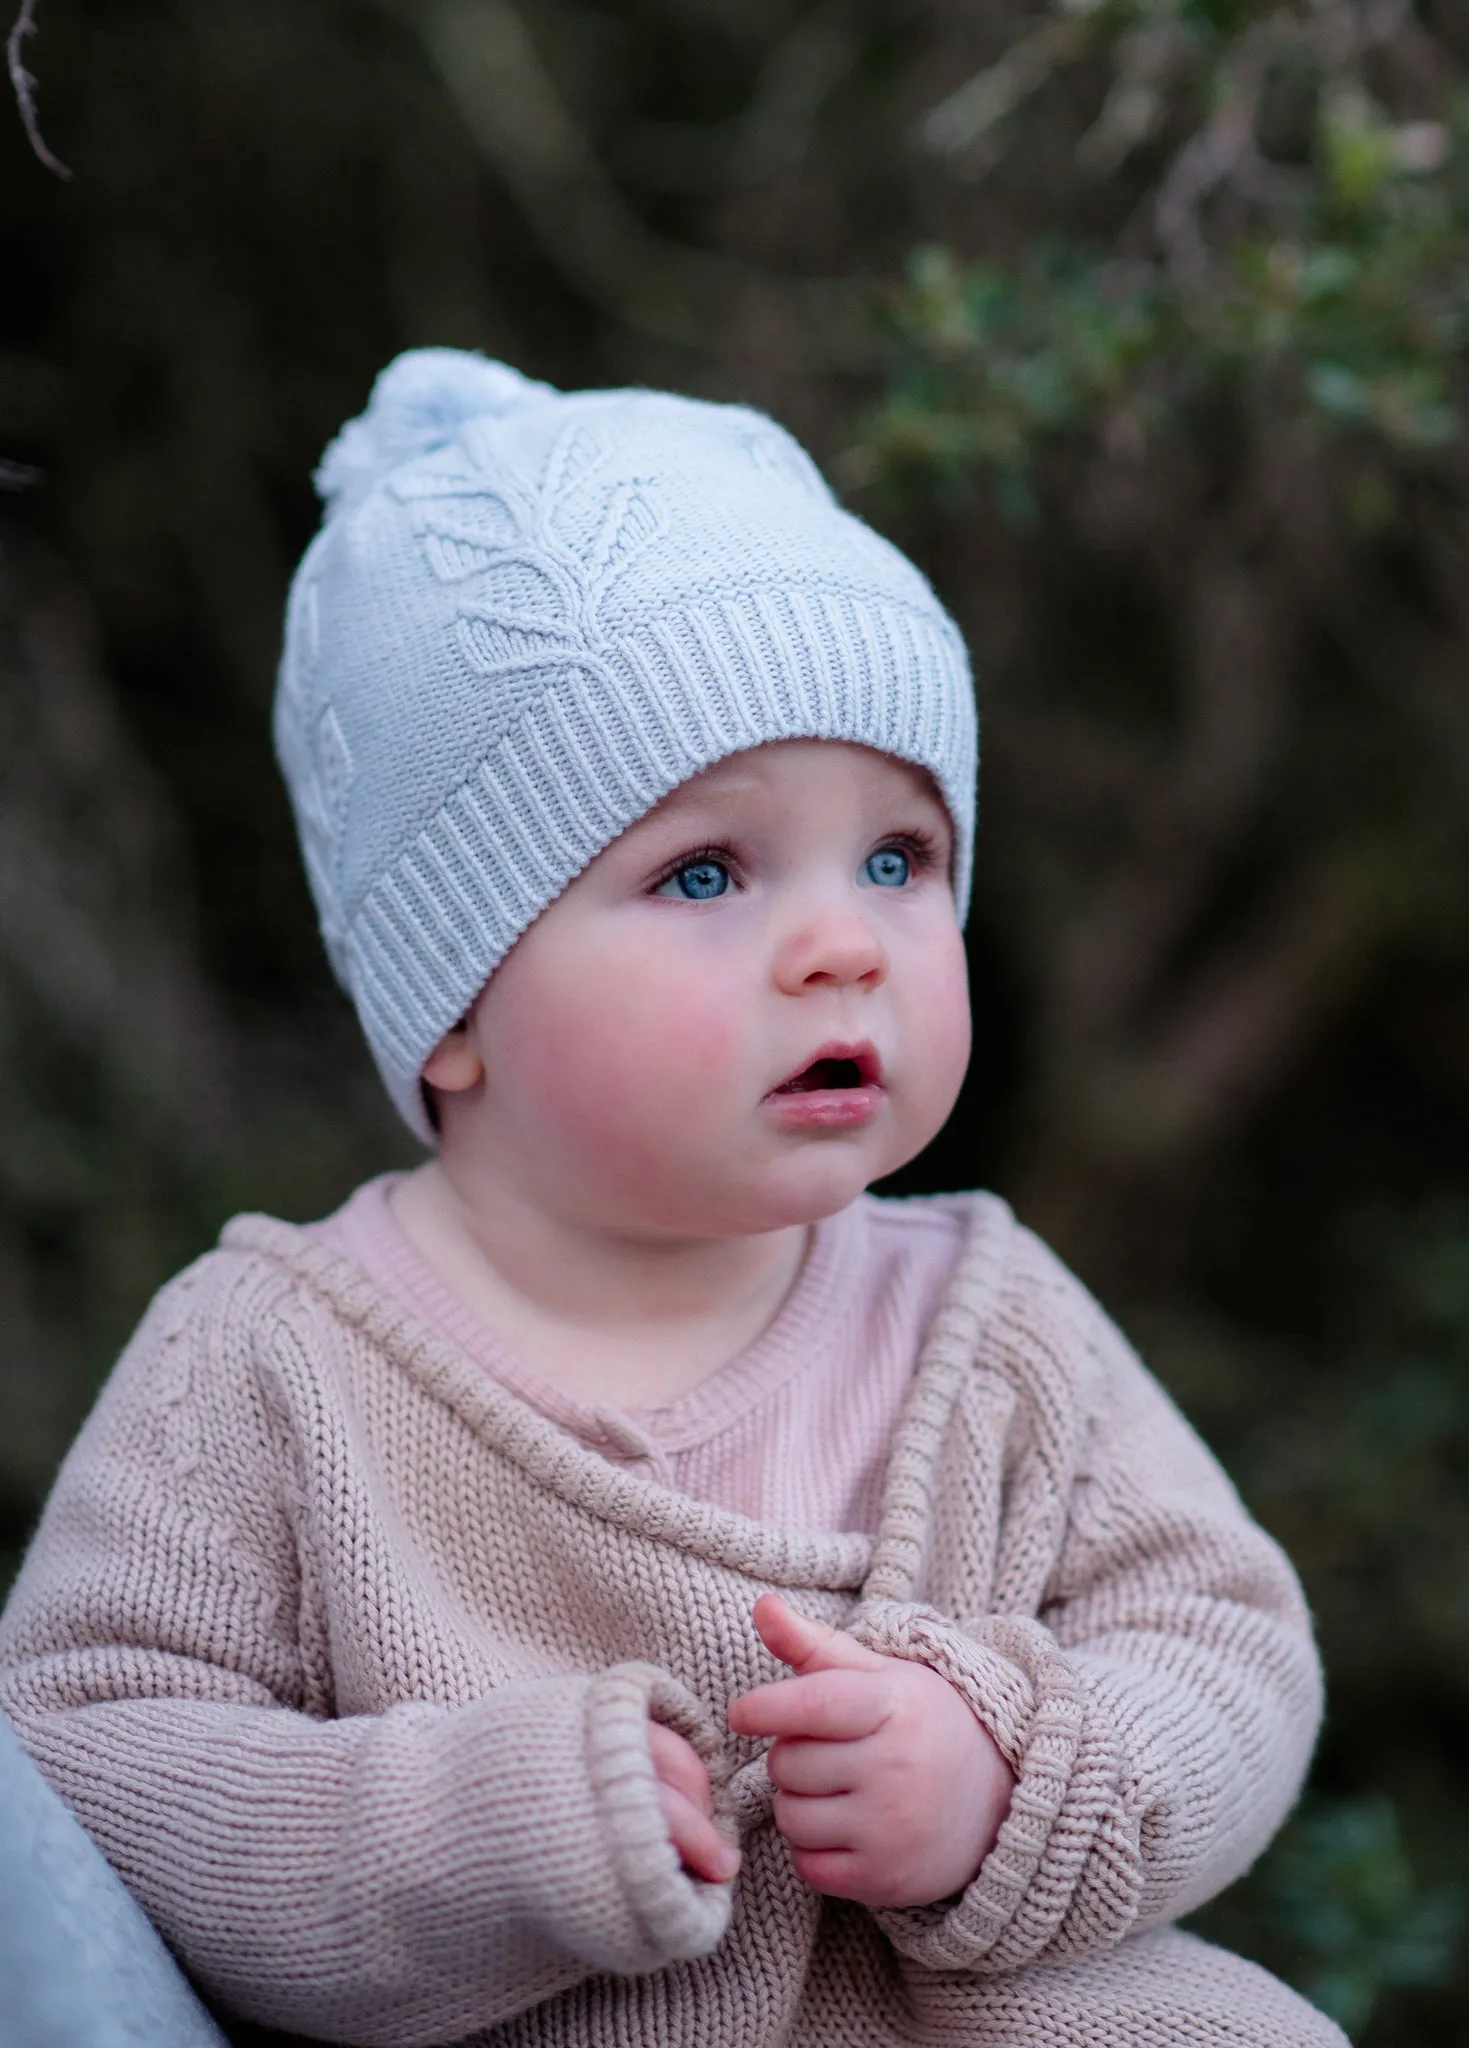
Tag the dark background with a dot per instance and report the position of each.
(1149, 344)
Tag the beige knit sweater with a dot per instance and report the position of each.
(345, 1654)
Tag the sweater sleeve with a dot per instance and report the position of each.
(1160, 1708)
(412, 1876)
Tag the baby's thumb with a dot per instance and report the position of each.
(807, 1645)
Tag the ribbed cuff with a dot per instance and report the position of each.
(1027, 1696)
(678, 1916)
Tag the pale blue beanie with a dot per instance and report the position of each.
(531, 614)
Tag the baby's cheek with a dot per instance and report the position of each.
(635, 1067)
(932, 1001)
(952, 1031)
(946, 1005)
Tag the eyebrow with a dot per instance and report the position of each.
(728, 786)
(685, 807)
(682, 809)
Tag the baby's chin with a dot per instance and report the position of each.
(803, 1192)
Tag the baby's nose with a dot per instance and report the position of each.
(839, 949)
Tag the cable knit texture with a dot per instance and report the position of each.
(531, 614)
(345, 1655)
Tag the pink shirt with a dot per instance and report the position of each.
(793, 1430)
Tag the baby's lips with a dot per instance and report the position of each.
(839, 1064)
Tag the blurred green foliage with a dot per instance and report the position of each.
(1338, 286)
(1369, 1472)
(1143, 325)
(1336, 1908)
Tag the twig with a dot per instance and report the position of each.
(1119, 956)
(793, 85)
(25, 87)
(966, 117)
(1213, 156)
(1231, 1031)
(514, 112)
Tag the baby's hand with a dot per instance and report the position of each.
(887, 1788)
(688, 1806)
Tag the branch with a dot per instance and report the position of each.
(969, 115)
(794, 83)
(514, 113)
(1149, 62)
(1230, 1035)
(1109, 964)
(769, 139)
(25, 87)
(1213, 156)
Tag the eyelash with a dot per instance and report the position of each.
(921, 848)
(725, 855)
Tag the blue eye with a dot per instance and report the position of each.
(699, 881)
(889, 867)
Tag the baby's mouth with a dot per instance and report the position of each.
(823, 1074)
(834, 1068)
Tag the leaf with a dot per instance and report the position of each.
(496, 642)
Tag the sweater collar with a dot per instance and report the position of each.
(887, 1566)
(824, 1293)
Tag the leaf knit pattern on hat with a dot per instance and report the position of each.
(528, 617)
(346, 1656)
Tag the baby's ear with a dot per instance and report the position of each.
(455, 1062)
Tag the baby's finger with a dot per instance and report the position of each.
(838, 1873)
(814, 1823)
(835, 1706)
(678, 1763)
(805, 1644)
(701, 1848)
(814, 1769)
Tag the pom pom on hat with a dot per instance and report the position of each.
(419, 403)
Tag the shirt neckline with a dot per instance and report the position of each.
(822, 1289)
(887, 1566)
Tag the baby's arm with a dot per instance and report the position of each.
(1159, 1713)
(399, 1877)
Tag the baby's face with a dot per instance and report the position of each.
(749, 1006)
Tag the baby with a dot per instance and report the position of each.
(621, 1583)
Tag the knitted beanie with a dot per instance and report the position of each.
(528, 616)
